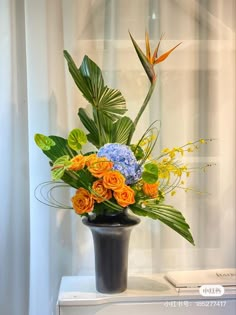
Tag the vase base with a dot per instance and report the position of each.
(117, 291)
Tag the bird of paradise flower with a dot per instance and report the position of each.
(148, 62)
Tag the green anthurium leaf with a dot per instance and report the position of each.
(151, 168)
(63, 160)
(57, 151)
(60, 148)
(57, 173)
(59, 167)
(167, 215)
(149, 178)
(138, 151)
(76, 139)
(150, 173)
(43, 142)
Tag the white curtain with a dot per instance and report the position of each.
(195, 98)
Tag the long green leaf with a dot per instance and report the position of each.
(168, 213)
(122, 129)
(171, 219)
(88, 123)
(106, 127)
(92, 80)
(82, 77)
(174, 219)
(89, 80)
(71, 179)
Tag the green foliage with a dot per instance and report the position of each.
(111, 132)
(59, 167)
(148, 67)
(167, 215)
(57, 173)
(138, 151)
(43, 142)
(121, 130)
(62, 161)
(76, 139)
(106, 123)
(60, 148)
(150, 173)
(108, 104)
(90, 125)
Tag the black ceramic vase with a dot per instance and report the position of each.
(111, 234)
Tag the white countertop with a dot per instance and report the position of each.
(80, 290)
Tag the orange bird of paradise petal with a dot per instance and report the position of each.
(165, 55)
(154, 60)
(149, 61)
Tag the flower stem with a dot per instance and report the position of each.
(98, 125)
(149, 94)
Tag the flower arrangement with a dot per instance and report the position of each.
(118, 173)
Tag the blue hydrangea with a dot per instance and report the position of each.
(123, 159)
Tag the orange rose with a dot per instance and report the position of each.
(103, 192)
(99, 166)
(150, 190)
(78, 162)
(113, 180)
(90, 159)
(125, 196)
(82, 201)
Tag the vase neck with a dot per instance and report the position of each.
(115, 219)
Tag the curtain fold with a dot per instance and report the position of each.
(14, 208)
(195, 98)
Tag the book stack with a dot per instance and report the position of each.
(211, 282)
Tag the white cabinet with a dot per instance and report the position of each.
(149, 295)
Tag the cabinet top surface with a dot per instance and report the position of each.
(80, 290)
